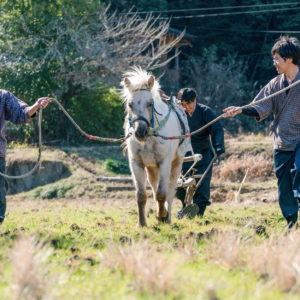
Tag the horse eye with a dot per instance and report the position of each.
(130, 105)
(149, 104)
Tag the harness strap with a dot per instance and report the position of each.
(152, 116)
(182, 126)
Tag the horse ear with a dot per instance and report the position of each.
(127, 82)
(151, 82)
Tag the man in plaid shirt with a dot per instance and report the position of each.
(16, 111)
(285, 127)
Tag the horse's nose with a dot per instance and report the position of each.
(141, 132)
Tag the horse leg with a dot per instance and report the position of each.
(162, 191)
(175, 172)
(153, 176)
(139, 179)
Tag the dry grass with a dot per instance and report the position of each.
(226, 249)
(29, 280)
(278, 259)
(234, 168)
(151, 269)
(188, 248)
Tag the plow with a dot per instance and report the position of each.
(191, 182)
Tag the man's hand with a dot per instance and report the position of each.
(40, 103)
(219, 152)
(43, 102)
(232, 111)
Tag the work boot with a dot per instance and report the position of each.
(201, 211)
(292, 220)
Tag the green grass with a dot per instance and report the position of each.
(81, 232)
(92, 233)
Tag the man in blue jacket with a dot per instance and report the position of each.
(16, 111)
(199, 115)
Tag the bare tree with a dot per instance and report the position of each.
(218, 82)
(72, 56)
(95, 48)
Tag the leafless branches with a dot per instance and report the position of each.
(219, 82)
(95, 48)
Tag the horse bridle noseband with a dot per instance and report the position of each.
(141, 118)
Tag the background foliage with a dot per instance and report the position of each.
(228, 60)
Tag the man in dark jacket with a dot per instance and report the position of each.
(16, 111)
(199, 115)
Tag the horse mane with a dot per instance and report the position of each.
(139, 80)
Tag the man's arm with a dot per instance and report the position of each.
(17, 111)
(216, 132)
(250, 111)
(217, 137)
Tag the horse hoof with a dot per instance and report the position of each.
(142, 225)
(164, 219)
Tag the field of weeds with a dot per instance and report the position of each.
(76, 237)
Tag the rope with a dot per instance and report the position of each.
(39, 156)
(89, 136)
(224, 114)
(120, 140)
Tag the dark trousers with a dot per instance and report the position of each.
(2, 190)
(202, 194)
(287, 170)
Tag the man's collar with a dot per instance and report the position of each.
(297, 77)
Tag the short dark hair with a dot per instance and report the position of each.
(287, 47)
(187, 95)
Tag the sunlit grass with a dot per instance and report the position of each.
(98, 251)
(82, 234)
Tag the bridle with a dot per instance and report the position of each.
(141, 118)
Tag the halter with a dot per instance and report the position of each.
(154, 112)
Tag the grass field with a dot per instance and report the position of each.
(76, 239)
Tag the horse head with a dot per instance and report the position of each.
(140, 103)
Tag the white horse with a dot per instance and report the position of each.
(149, 156)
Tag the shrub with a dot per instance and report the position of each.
(234, 168)
(117, 166)
(98, 113)
(51, 191)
